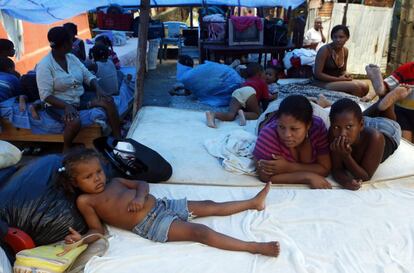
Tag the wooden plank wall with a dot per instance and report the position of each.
(370, 30)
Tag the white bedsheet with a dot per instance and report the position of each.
(320, 231)
(179, 135)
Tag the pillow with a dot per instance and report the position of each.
(5, 266)
(9, 154)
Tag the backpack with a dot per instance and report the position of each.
(275, 32)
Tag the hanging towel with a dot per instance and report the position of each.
(14, 29)
(241, 23)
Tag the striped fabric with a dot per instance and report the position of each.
(403, 75)
(269, 143)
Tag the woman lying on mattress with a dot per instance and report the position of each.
(359, 144)
(60, 77)
(292, 147)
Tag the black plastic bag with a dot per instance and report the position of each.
(148, 165)
(275, 33)
(29, 201)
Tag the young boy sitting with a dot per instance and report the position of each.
(78, 46)
(359, 144)
(104, 70)
(245, 101)
(128, 204)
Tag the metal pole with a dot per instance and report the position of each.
(144, 16)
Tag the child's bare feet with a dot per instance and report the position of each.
(242, 118)
(269, 249)
(323, 101)
(33, 112)
(392, 97)
(260, 199)
(210, 119)
(374, 74)
(22, 103)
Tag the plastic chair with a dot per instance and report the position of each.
(173, 36)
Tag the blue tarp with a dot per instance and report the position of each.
(49, 11)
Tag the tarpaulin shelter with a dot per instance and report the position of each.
(49, 11)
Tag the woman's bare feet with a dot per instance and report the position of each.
(210, 119)
(392, 97)
(259, 201)
(271, 249)
(33, 112)
(242, 118)
(323, 101)
(374, 74)
(22, 103)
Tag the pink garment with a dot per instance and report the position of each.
(241, 23)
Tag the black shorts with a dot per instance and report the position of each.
(405, 118)
(389, 147)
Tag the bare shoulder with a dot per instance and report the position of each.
(323, 52)
(372, 137)
(85, 200)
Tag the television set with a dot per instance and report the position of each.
(251, 36)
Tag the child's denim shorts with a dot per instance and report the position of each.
(391, 131)
(156, 224)
(386, 126)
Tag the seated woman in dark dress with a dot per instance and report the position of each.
(330, 66)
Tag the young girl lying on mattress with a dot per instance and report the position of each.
(128, 204)
(245, 101)
(359, 144)
(292, 147)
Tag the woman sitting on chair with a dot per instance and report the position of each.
(330, 66)
(60, 77)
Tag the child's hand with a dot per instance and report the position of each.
(136, 204)
(341, 146)
(73, 237)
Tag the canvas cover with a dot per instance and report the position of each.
(49, 11)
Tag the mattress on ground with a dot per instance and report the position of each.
(320, 231)
(179, 135)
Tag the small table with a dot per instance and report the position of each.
(207, 49)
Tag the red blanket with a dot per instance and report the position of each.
(241, 23)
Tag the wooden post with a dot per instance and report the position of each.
(405, 38)
(141, 54)
(345, 13)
